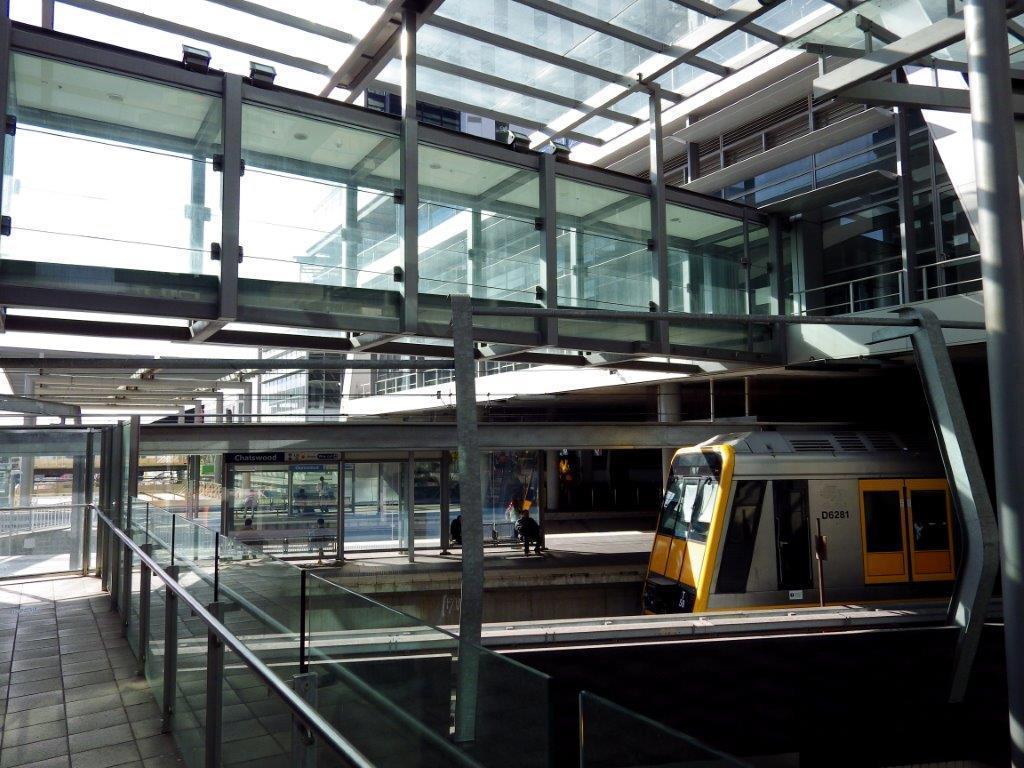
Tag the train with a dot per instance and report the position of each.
(768, 519)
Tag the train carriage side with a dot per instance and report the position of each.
(740, 515)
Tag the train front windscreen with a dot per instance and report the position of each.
(686, 513)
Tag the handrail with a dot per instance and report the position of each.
(310, 717)
(331, 665)
(970, 258)
(804, 291)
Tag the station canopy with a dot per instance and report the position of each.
(572, 70)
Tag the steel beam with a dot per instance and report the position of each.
(34, 407)
(471, 496)
(288, 20)
(659, 225)
(207, 364)
(231, 189)
(1002, 271)
(549, 245)
(202, 35)
(691, 46)
(409, 177)
(373, 51)
(979, 564)
(905, 202)
(882, 93)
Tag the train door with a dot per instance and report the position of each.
(883, 522)
(931, 522)
(792, 534)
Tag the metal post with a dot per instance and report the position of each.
(303, 597)
(231, 189)
(214, 690)
(471, 614)
(659, 226)
(339, 550)
(87, 495)
(976, 573)
(549, 246)
(303, 743)
(170, 652)
(776, 258)
(145, 596)
(126, 586)
(446, 500)
(410, 507)
(409, 176)
(905, 200)
(669, 410)
(1002, 270)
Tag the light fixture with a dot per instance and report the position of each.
(518, 141)
(195, 59)
(261, 74)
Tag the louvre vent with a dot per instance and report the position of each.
(881, 441)
(850, 441)
(810, 445)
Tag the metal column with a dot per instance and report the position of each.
(659, 226)
(470, 496)
(170, 689)
(214, 690)
(339, 550)
(446, 499)
(549, 247)
(231, 190)
(980, 557)
(905, 199)
(669, 410)
(1002, 270)
(410, 507)
(409, 176)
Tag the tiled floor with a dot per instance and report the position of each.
(69, 695)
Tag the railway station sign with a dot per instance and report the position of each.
(282, 457)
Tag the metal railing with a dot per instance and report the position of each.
(953, 286)
(20, 520)
(852, 303)
(220, 637)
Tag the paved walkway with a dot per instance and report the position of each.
(69, 695)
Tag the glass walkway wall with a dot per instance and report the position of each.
(119, 197)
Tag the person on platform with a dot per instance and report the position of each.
(528, 531)
(455, 530)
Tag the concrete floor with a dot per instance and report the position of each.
(70, 695)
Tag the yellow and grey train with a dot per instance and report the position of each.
(742, 512)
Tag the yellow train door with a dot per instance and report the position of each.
(907, 530)
(930, 521)
(883, 523)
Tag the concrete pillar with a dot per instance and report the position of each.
(669, 410)
(551, 480)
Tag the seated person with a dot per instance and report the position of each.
(299, 502)
(528, 531)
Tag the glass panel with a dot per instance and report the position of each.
(603, 258)
(613, 737)
(257, 724)
(156, 647)
(477, 229)
(930, 522)
(384, 678)
(262, 595)
(740, 536)
(882, 521)
(520, 22)
(375, 511)
(87, 142)
(705, 254)
(318, 211)
(163, 481)
(188, 723)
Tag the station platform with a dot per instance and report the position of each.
(71, 695)
(577, 575)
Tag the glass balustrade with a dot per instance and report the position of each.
(399, 690)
